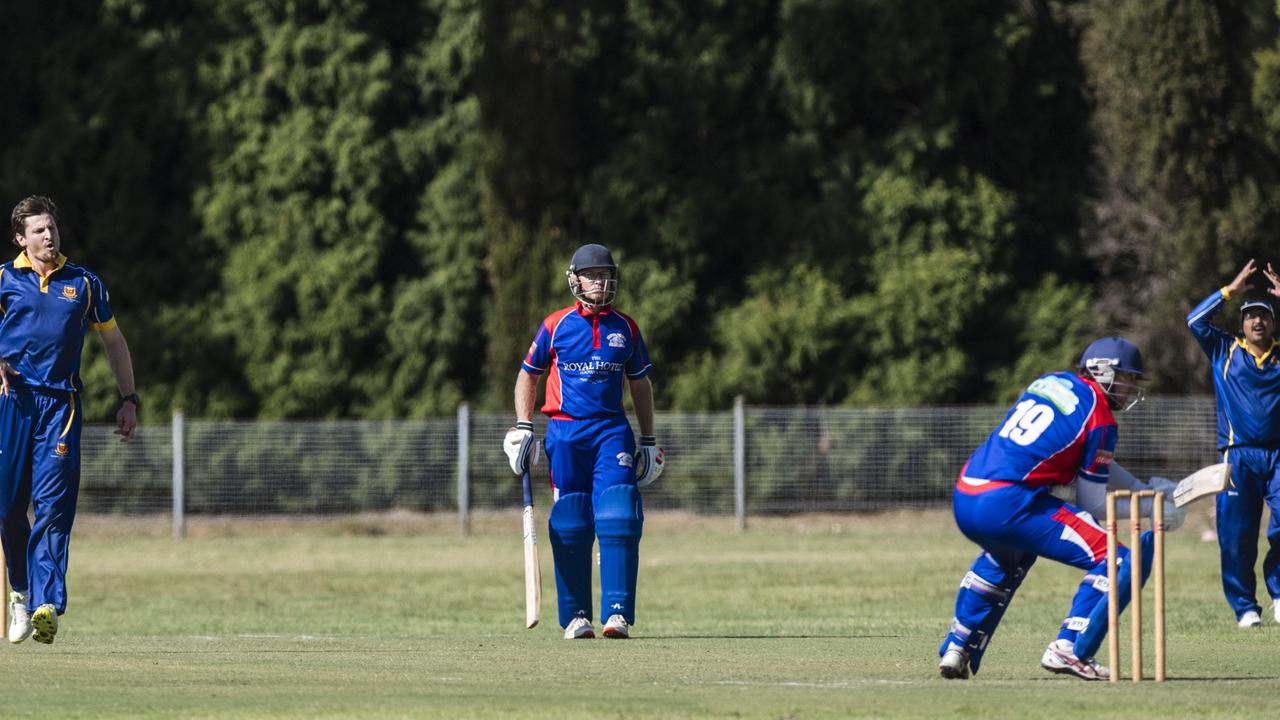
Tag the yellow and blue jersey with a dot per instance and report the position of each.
(43, 320)
(1247, 385)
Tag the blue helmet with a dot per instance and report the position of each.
(1104, 358)
(589, 257)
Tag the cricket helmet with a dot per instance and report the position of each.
(1104, 358)
(590, 257)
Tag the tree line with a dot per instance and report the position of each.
(347, 208)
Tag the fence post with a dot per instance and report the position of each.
(740, 463)
(179, 476)
(464, 453)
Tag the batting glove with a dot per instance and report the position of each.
(1174, 516)
(521, 447)
(650, 461)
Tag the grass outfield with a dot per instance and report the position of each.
(813, 617)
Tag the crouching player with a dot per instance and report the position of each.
(587, 349)
(1061, 429)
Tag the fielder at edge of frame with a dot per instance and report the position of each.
(1061, 430)
(47, 306)
(589, 351)
(1246, 384)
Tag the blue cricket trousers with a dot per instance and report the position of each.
(40, 466)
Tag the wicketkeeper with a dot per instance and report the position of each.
(589, 351)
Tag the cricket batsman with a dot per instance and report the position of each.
(588, 352)
(1062, 429)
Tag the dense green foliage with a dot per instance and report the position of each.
(345, 208)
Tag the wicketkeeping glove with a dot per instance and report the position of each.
(650, 461)
(521, 447)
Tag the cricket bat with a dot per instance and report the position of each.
(532, 573)
(1206, 481)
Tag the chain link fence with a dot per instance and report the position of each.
(794, 459)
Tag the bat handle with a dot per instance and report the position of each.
(527, 487)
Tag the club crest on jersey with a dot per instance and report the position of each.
(69, 292)
(61, 449)
(617, 340)
(625, 459)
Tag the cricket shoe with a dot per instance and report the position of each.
(45, 622)
(579, 629)
(616, 628)
(1251, 619)
(1275, 604)
(954, 665)
(19, 618)
(1060, 657)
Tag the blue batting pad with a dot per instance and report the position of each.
(981, 602)
(571, 529)
(619, 524)
(1090, 639)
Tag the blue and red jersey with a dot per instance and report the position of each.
(43, 320)
(1060, 429)
(1247, 386)
(587, 356)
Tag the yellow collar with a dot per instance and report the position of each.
(22, 261)
(1258, 359)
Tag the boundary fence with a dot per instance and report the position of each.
(749, 460)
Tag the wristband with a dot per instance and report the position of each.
(133, 398)
(524, 425)
(648, 441)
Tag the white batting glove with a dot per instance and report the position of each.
(1162, 484)
(1174, 516)
(521, 447)
(650, 461)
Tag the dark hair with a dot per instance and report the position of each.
(30, 207)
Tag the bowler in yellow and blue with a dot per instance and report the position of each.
(47, 305)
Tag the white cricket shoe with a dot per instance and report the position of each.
(1060, 657)
(1250, 619)
(954, 665)
(1275, 604)
(616, 627)
(579, 629)
(19, 618)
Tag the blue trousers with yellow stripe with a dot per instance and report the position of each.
(39, 466)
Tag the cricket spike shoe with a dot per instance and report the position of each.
(19, 619)
(1060, 657)
(954, 665)
(1250, 619)
(579, 629)
(616, 627)
(45, 622)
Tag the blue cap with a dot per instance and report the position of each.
(1260, 304)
